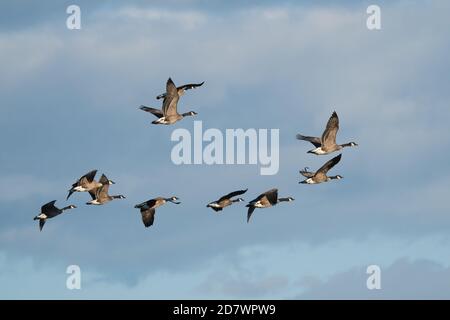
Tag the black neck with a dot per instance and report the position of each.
(346, 145)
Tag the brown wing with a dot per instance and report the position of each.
(329, 164)
(272, 196)
(104, 180)
(190, 86)
(102, 192)
(329, 135)
(89, 177)
(314, 140)
(307, 174)
(93, 193)
(250, 212)
(171, 100)
(156, 112)
(232, 194)
(148, 216)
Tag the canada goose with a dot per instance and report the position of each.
(321, 175)
(86, 183)
(49, 211)
(181, 89)
(327, 144)
(265, 200)
(168, 114)
(226, 200)
(100, 195)
(148, 208)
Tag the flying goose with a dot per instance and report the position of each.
(86, 183)
(226, 200)
(148, 208)
(49, 211)
(321, 175)
(327, 144)
(100, 195)
(265, 200)
(181, 89)
(168, 114)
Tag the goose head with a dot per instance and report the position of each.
(174, 199)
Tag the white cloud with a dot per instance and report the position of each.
(20, 187)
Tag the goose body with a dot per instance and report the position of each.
(265, 200)
(169, 114)
(327, 143)
(226, 200)
(49, 211)
(148, 208)
(321, 175)
(100, 195)
(86, 183)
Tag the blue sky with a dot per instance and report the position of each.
(69, 103)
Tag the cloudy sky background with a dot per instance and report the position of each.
(69, 103)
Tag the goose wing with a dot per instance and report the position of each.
(329, 135)
(232, 194)
(272, 196)
(104, 179)
(88, 177)
(250, 212)
(48, 207)
(146, 204)
(148, 216)
(102, 192)
(156, 112)
(329, 164)
(171, 100)
(307, 174)
(41, 224)
(190, 86)
(317, 142)
(93, 193)
(50, 210)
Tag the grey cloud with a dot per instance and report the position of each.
(404, 279)
(79, 92)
